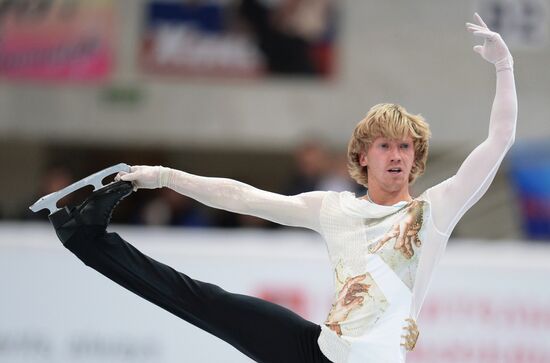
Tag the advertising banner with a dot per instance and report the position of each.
(56, 40)
(230, 38)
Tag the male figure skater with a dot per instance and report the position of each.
(383, 246)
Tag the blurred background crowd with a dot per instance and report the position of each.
(310, 167)
(266, 92)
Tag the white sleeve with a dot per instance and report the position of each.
(454, 196)
(300, 210)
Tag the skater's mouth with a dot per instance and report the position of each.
(395, 170)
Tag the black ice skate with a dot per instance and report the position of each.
(95, 212)
(50, 201)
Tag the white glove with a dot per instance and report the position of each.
(494, 49)
(145, 177)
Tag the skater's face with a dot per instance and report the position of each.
(385, 154)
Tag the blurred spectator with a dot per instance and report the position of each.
(233, 220)
(55, 178)
(337, 178)
(246, 221)
(311, 163)
(317, 168)
(169, 208)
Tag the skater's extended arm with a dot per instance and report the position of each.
(300, 210)
(453, 197)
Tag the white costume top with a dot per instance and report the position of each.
(377, 285)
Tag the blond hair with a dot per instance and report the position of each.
(394, 122)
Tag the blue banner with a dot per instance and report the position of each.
(530, 174)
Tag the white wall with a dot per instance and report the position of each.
(488, 302)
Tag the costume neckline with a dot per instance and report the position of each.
(366, 209)
(398, 204)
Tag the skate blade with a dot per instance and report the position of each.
(50, 201)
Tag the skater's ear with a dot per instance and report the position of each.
(363, 161)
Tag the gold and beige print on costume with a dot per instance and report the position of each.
(406, 231)
(360, 302)
(357, 292)
(403, 254)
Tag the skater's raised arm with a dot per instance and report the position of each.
(300, 210)
(453, 197)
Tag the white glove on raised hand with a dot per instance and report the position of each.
(494, 49)
(145, 177)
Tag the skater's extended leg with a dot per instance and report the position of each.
(264, 331)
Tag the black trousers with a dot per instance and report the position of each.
(263, 331)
